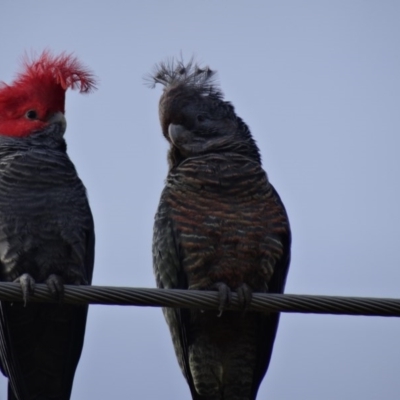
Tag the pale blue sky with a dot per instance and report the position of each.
(318, 82)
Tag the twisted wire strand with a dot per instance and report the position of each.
(126, 296)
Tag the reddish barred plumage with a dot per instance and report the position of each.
(220, 225)
(226, 217)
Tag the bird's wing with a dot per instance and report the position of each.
(8, 363)
(268, 323)
(169, 275)
(77, 332)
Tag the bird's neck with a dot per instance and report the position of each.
(219, 172)
(52, 138)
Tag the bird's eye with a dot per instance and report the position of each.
(200, 118)
(31, 114)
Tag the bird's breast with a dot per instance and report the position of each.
(227, 223)
(44, 214)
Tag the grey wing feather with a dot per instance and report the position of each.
(268, 324)
(169, 275)
(78, 333)
(7, 365)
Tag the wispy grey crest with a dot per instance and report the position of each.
(175, 72)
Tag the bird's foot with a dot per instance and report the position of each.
(27, 286)
(224, 296)
(55, 283)
(245, 295)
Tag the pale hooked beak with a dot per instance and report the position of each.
(176, 133)
(58, 118)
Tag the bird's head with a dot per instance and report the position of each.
(194, 117)
(36, 98)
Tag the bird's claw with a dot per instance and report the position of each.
(224, 296)
(55, 284)
(245, 295)
(27, 284)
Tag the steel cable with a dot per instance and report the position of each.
(126, 296)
